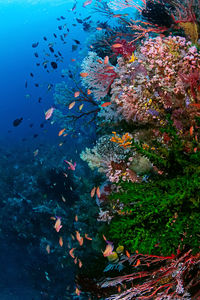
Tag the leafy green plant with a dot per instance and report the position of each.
(160, 216)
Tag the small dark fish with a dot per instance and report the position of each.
(45, 38)
(79, 20)
(38, 64)
(16, 122)
(39, 99)
(61, 37)
(55, 55)
(87, 18)
(31, 125)
(41, 125)
(35, 135)
(50, 85)
(51, 49)
(65, 35)
(74, 6)
(70, 74)
(60, 27)
(87, 27)
(59, 53)
(26, 84)
(55, 35)
(34, 45)
(36, 54)
(68, 29)
(74, 24)
(62, 76)
(36, 84)
(63, 18)
(31, 74)
(58, 19)
(45, 66)
(54, 65)
(77, 42)
(74, 47)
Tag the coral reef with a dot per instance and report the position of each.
(101, 75)
(153, 85)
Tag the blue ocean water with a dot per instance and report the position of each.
(25, 269)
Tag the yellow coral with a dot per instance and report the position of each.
(120, 249)
(133, 58)
(113, 257)
(124, 141)
(191, 30)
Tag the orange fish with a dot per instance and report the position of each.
(53, 218)
(84, 74)
(71, 105)
(195, 149)
(71, 252)
(49, 113)
(61, 131)
(79, 238)
(58, 225)
(117, 45)
(73, 238)
(89, 92)
(87, 2)
(76, 94)
(137, 263)
(75, 260)
(119, 289)
(80, 263)
(93, 191)
(128, 254)
(60, 241)
(87, 237)
(48, 249)
(108, 250)
(76, 218)
(105, 104)
(106, 60)
(63, 198)
(78, 292)
(98, 28)
(104, 237)
(65, 134)
(99, 61)
(191, 130)
(73, 59)
(109, 68)
(98, 192)
(117, 16)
